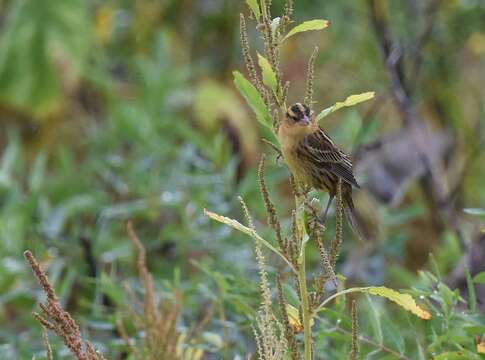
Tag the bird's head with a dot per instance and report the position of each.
(299, 114)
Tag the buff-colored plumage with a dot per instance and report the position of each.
(314, 159)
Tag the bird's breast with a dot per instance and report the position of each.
(296, 163)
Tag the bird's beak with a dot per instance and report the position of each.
(305, 121)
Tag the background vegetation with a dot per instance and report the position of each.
(126, 110)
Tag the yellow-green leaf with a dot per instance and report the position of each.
(246, 230)
(269, 77)
(404, 300)
(481, 346)
(253, 5)
(294, 318)
(253, 98)
(349, 101)
(309, 25)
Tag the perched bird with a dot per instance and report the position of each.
(315, 161)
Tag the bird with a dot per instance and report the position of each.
(315, 161)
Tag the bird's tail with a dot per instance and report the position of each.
(355, 219)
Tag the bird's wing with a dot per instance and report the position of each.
(322, 150)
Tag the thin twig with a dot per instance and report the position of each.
(355, 328)
(371, 342)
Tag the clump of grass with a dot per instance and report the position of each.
(157, 318)
(54, 318)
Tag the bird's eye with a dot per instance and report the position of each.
(307, 111)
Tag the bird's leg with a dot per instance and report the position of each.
(323, 215)
(312, 210)
(304, 190)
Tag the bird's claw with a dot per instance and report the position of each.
(314, 219)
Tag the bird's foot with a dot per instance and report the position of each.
(315, 220)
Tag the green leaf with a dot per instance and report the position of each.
(54, 222)
(37, 174)
(111, 288)
(404, 300)
(10, 157)
(349, 101)
(475, 211)
(479, 278)
(309, 25)
(269, 77)
(253, 98)
(474, 329)
(253, 5)
(375, 320)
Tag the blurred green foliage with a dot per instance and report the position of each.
(34, 51)
(122, 110)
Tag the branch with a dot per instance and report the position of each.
(432, 183)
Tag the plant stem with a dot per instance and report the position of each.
(306, 311)
(263, 9)
(307, 329)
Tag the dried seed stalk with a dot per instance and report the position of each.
(56, 319)
(335, 248)
(273, 219)
(310, 78)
